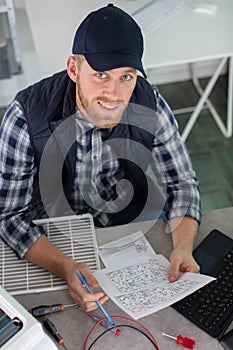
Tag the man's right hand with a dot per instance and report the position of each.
(45, 254)
(78, 292)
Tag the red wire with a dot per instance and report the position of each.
(140, 325)
(124, 318)
(91, 331)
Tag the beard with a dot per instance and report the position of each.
(95, 112)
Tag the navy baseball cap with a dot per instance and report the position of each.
(110, 38)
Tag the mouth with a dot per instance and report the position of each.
(108, 106)
(105, 113)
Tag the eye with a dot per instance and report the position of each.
(126, 77)
(101, 75)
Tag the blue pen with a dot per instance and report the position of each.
(90, 290)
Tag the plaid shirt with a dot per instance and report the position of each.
(99, 175)
(17, 171)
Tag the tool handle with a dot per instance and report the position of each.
(185, 342)
(43, 310)
(50, 327)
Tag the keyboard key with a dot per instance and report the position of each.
(210, 306)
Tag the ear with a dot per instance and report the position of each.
(72, 68)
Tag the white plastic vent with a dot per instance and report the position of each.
(73, 235)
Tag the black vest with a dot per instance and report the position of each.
(49, 108)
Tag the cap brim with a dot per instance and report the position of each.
(106, 61)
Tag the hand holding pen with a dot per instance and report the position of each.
(90, 290)
(80, 295)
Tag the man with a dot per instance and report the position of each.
(68, 142)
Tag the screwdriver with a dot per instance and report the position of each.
(48, 324)
(43, 310)
(185, 342)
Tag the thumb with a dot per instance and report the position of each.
(174, 271)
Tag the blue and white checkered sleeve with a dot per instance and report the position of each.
(16, 182)
(173, 167)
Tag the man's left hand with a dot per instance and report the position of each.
(181, 261)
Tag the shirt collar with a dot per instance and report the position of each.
(86, 125)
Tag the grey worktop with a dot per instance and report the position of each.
(74, 324)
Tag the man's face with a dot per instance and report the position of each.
(103, 96)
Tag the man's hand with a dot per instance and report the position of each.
(79, 293)
(181, 261)
(184, 230)
(45, 254)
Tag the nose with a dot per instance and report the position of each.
(112, 90)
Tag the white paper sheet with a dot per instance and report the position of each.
(125, 248)
(140, 285)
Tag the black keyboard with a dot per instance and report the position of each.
(211, 307)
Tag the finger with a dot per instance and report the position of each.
(89, 277)
(92, 306)
(174, 271)
(103, 299)
(92, 281)
(86, 300)
(184, 269)
(85, 295)
(89, 305)
(94, 297)
(191, 268)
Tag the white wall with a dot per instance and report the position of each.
(54, 22)
(53, 38)
(47, 28)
